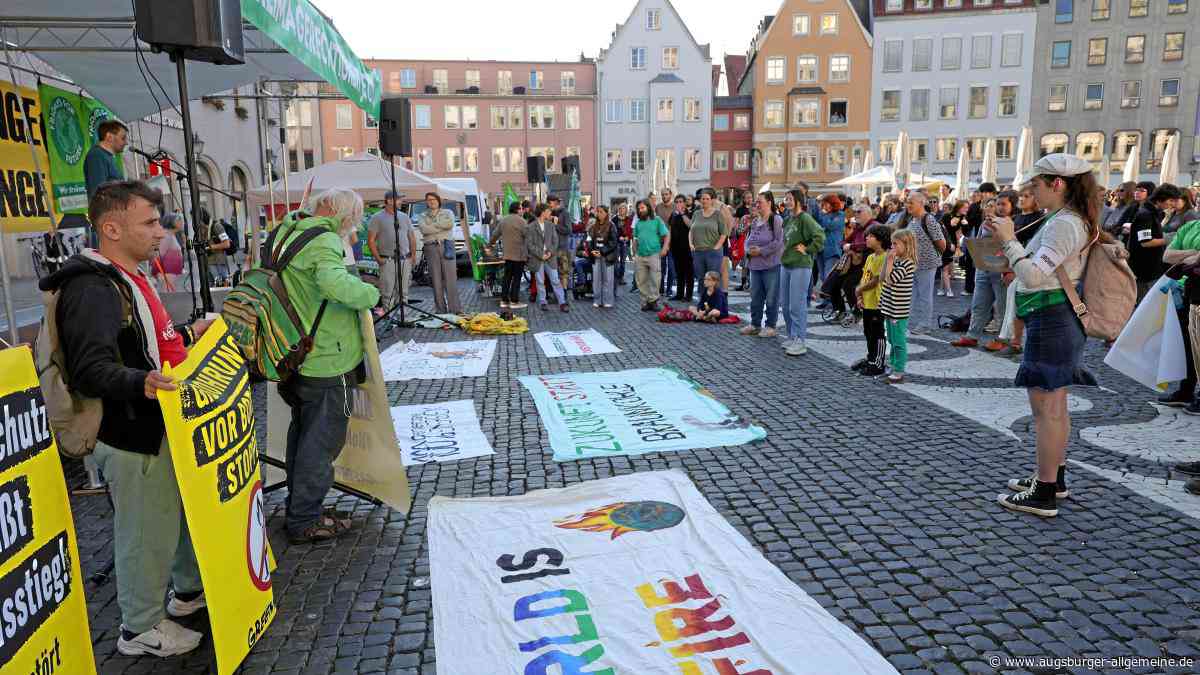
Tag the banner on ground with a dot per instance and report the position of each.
(43, 614)
(635, 574)
(71, 122)
(1150, 348)
(632, 412)
(437, 360)
(370, 460)
(574, 343)
(24, 205)
(210, 428)
(439, 432)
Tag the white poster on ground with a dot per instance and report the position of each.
(439, 432)
(634, 574)
(575, 343)
(437, 360)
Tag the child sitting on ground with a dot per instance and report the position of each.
(879, 240)
(713, 305)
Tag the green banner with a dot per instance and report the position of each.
(304, 32)
(71, 122)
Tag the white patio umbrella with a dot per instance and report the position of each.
(902, 162)
(868, 163)
(1169, 172)
(1024, 157)
(855, 167)
(366, 174)
(880, 175)
(1105, 176)
(964, 175)
(1131, 165)
(988, 171)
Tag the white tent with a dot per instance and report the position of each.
(1169, 173)
(880, 175)
(366, 174)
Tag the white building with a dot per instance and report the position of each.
(952, 75)
(655, 106)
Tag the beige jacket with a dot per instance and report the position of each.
(435, 226)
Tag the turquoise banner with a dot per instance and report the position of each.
(632, 412)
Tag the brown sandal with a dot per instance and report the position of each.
(325, 529)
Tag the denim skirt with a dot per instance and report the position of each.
(1054, 341)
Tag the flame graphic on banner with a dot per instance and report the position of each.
(625, 517)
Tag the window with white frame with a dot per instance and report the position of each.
(692, 160)
(471, 160)
(894, 6)
(720, 122)
(922, 54)
(921, 5)
(612, 161)
(1097, 51)
(1101, 10)
(1177, 6)
(394, 81)
(567, 82)
(981, 51)
(454, 160)
(516, 116)
(1131, 94)
(571, 116)
(499, 117)
(1135, 49)
(408, 78)
(741, 160)
(1123, 143)
(547, 153)
(1168, 93)
(541, 116)
(1004, 148)
(919, 149)
(691, 110)
(470, 117)
(773, 160)
(653, 19)
(499, 160)
(1011, 46)
(893, 56)
(637, 159)
(452, 117)
(948, 103)
(776, 70)
(1053, 143)
(952, 4)
(424, 160)
(1008, 101)
(472, 78)
(951, 53)
(806, 112)
(773, 114)
(805, 159)
(1057, 102)
(889, 110)
(918, 105)
(720, 161)
(441, 80)
(345, 116)
(670, 58)
(666, 110)
(839, 68)
(637, 58)
(741, 121)
(1173, 47)
(839, 112)
(806, 68)
(374, 151)
(504, 84)
(800, 24)
(1090, 145)
(516, 160)
(369, 122)
(978, 106)
(836, 159)
(1093, 98)
(637, 110)
(975, 146)
(945, 149)
(422, 117)
(887, 151)
(1139, 8)
(829, 24)
(537, 80)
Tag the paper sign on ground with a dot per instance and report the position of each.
(439, 432)
(575, 343)
(632, 412)
(210, 428)
(635, 574)
(437, 360)
(370, 459)
(43, 622)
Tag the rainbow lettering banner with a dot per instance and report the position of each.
(635, 574)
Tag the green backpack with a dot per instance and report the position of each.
(262, 319)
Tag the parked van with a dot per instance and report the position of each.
(476, 205)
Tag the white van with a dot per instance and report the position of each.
(476, 205)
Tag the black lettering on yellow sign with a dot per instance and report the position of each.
(19, 123)
(218, 373)
(260, 624)
(229, 427)
(239, 471)
(22, 194)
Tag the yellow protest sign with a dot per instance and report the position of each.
(23, 199)
(43, 615)
(210, 428)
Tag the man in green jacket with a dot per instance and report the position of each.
(320, 396)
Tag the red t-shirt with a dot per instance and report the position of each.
(170, 342)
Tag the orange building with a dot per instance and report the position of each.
(809, 73)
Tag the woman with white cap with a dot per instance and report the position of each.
(1065, 186)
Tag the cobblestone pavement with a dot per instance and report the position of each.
(879, 501)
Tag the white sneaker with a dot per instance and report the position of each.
(787, 342)
(949, 294)
(181, 608)
(797, 348)
(607, 306)
(941, 292)
(166, 639)
(767, 333)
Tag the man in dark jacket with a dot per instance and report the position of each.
(114, 351)
(1146, 242)
(563, 227)
(974, 220)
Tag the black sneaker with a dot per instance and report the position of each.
(1030, 501)
(1188, 468)
(871, 371)
(1193, 409)
(1180, 399)
(859, 365)
(1193, 486)
(1060, 484)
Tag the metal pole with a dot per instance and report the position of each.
(283, 141)
(201, 245)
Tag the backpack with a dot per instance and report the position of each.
(261, 317)
(1109, 290)
(74, 418)
(957, 324)
(232, 233)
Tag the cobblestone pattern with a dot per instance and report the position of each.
(878, 502)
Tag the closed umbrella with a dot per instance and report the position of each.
(868, 161)
(1169, 172)
(964, 175)
(1024, 157)
(1131, 165)
(902, 162)
(1105, 173)
(988, 172)
(855, 167)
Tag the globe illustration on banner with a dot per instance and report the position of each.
(624, 517)
(95, 117)
(63, 121)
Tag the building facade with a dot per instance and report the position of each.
(655, 98)
(809, 73)
(1112, 75)
(952, 73)
(732, 143)
(481, 119)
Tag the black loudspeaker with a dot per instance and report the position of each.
(203, 30)
(535, 169)
(570, 164)
(395, 127)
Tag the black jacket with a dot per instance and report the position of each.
(108, 356)
(1146, 263)
(608, 246)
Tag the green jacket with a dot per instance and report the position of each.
(319, 273)
(801, 229)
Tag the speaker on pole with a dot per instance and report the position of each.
(395, 127)
(535, 169)
(570, 165)
(199, 30)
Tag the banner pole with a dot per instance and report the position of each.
(283, 143)
(9, 314)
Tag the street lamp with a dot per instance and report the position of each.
(197, 143)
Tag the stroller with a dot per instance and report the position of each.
(581, 279)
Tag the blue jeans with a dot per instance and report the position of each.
(621, 255)
(603, 283)
(704, 262)
(922, 302)
(320, 419)
(547, 278)
(990, 295)
(827, 263)
(764, 292)
(667, 270)
(794, 298)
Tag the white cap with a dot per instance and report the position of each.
(1060, 164)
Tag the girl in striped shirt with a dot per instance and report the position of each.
(895, 302)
